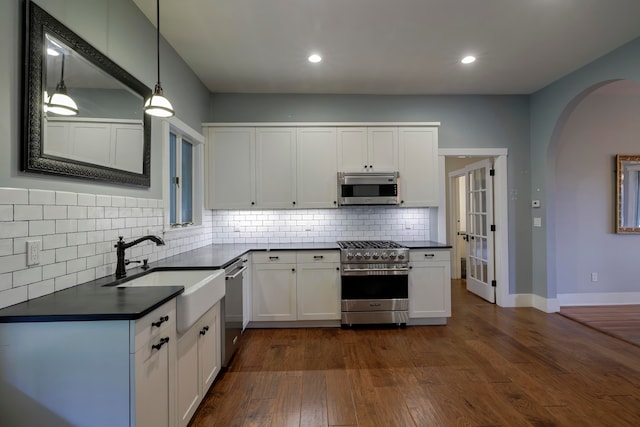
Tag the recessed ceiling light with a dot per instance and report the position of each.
(468, 59)
(315, 58)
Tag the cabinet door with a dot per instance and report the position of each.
(231, 168)
(430, 289)
(189, 390)
(274, 292)
(418, 167)
(276, 167)
(352, 149)
(383, 149)
(154, 369)
(317, 168)
(318, 290)
(209, 351)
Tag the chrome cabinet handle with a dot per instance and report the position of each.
(318, 257)
(273, 258)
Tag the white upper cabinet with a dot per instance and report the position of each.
(372, 149)
(352, 149)
(276, 167)
(317, 168)
(383, 149)
(418, 147)
(231, 168)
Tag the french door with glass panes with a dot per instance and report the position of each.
(480, 246)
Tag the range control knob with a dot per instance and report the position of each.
(349, 255)
(358, 255)
(400, 256)
(384, 255)
(392, 255)
(367, 255)
(375, 255)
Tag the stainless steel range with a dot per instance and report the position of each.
(375, 282)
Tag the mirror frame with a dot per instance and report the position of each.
(620, 227)
(38, 23)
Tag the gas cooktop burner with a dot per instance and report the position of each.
(369, 244)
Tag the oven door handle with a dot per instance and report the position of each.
(237, 273)
(363, 270)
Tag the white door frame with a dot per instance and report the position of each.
(501, 214)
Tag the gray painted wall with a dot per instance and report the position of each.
(549, 110)
(466, 122)
(604, 124)
(118, 29)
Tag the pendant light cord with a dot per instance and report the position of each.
(158, 37)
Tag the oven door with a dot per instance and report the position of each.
(375, 292)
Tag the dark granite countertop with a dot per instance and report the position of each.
(95, 301)
(425, 244)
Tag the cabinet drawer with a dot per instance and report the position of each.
(155, 324)
(429, 255)
(304, 257)
(273, 257)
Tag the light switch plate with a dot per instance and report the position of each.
(537, 222)
(535, 203)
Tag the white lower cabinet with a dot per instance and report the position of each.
(429, 283)
(153, 369)
(199, 361)
(289, 286)
(274, 286)
(90, 373)
(318, 286)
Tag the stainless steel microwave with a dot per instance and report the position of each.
(367, 188)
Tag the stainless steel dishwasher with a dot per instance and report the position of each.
(231, 310)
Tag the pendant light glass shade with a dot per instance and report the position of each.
(157, 105)
(60, 102)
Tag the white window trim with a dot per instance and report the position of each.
(176, 125)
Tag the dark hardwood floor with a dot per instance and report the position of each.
(489, 366)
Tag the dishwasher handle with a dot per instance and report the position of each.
(236, 273)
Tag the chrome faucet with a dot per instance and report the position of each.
(121, 246)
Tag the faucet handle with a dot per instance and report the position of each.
(145, 263)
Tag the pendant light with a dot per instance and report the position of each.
(59, 102)
(157, 105)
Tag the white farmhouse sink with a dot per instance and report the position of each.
(202, 290)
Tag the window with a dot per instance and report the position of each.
(183, 177)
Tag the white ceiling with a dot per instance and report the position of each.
(391, 46)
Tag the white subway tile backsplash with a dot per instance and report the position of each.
(66, 198)
(117, 201)
(6, 282)
(75, 265)
(6, 212)
(24, 277)
(54, 270)
(40, 228)
(64, 282)
(77, 212)
(66, 225)
(27, 212)
(102, 200)
(42, 197)
(14, 229)
(13, 296)
(86, 199)
(39, 289)
(6, 247)
(12, 263)
(14, 196)
(54, 241)
(86, 225)
(95, 212)
(65, 254)
(55, 212)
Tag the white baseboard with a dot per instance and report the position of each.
(548, 305)
(599, 298)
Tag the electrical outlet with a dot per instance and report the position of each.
(594, 277)
(33, 252)
(537, 222)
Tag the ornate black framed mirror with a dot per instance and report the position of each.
(83, 114)
(628, 193)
